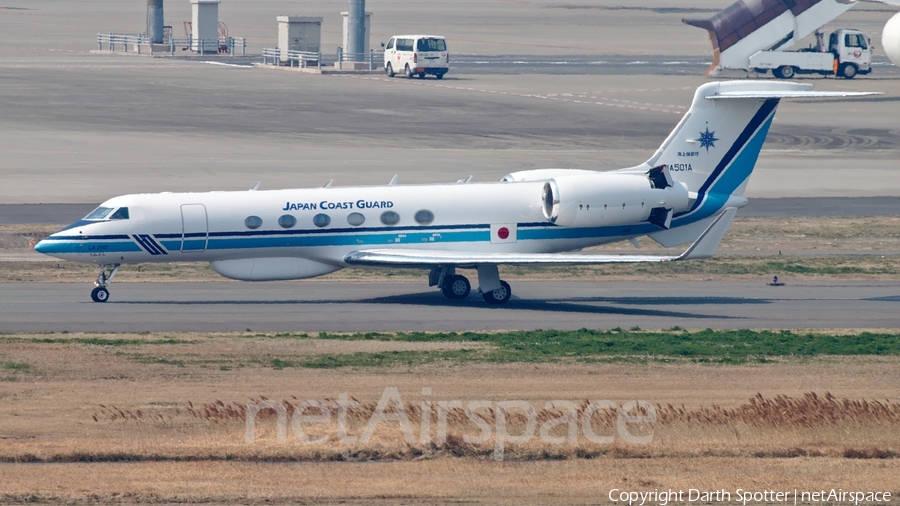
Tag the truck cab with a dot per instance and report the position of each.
(853, 52)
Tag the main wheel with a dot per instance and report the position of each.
(409, 73)
(784, 72)
(100, 294)
(390, 70)
(456, 287)
(498, 296)
(848, 70)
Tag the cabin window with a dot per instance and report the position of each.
(120, 214)
(253, 222)
(424, 217)
(321, 220)
(390, 44)
(390, 218)
(287, 221)
(404, 44)
(356, 219)
(99, 213)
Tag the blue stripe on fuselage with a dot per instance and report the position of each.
(88, 246)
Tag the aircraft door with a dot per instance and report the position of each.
(194, 228)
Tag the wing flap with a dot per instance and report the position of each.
(703, 247)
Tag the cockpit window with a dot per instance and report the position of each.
(120, 214)
(99, 213)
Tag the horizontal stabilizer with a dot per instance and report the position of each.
(767, 94)
(703, 247)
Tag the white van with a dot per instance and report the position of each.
(416, 55)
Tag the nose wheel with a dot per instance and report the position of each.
(107, 273)
(99, 294)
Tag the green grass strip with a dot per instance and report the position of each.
(714, 346)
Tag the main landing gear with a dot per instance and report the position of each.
(101, 293)
(493, 289)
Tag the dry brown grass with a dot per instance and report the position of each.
(436, 481)
(143, 409)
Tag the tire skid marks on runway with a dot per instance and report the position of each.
(591, 100)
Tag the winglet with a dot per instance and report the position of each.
(709, 240)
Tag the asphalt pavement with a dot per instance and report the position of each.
(393, 306)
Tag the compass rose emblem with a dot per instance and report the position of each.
(707, 139)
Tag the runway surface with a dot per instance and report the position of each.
(391, 306)
(83, 128)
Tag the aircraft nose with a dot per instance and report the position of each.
(42, 246)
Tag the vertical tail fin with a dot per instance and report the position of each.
(714, 148)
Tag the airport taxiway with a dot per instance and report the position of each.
(400, 306)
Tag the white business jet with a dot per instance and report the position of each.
(687, 192)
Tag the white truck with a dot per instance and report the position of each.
(849, 53)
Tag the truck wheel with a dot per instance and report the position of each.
(847, 70)
(784, 72)
(409, 73)
(389, 69)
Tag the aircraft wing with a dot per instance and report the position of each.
(703, 247)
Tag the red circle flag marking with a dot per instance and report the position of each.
(503, 233)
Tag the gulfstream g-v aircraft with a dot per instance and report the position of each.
(687, 192)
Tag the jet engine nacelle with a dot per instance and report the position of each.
(890, 39)
(610, 199)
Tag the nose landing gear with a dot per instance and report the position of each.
(101, 293)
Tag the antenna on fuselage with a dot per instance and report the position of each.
(394, 180)
(328, 184)
(464, 181)
(255, 186)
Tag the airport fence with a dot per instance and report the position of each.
(140, 43)
(302, 59)
(373, 58)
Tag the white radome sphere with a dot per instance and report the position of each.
(890, 39)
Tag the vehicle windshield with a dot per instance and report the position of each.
(99, 213)
(431, 45)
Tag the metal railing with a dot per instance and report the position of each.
(113, 40)
(301, 59)
(220, 45)
(374, 58)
